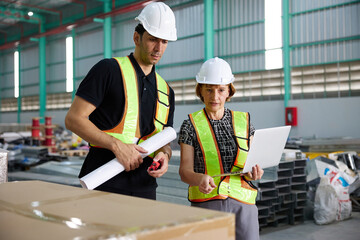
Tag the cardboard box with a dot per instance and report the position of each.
(42, 210)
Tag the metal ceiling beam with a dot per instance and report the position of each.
(84, 21)
(83, 3)
(16, 14)
(3, 32)
(130, 8)
(14, 25)
(35, 7)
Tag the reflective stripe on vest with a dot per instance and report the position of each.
(242, 136)
(162, 106)
(128, 130)
(130, 117)
(232, 186)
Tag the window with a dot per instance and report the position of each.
(273, 35)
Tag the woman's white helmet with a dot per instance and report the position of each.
(158, 20)
(215, 71)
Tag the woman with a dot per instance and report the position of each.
(214, 141)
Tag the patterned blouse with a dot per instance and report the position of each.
(225, 137)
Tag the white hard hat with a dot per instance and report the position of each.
(158, 20)
(215, 71)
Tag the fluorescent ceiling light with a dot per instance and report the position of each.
(69, 65)
(16, 74)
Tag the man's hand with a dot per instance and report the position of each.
(207, 184)
(77, 121)
(255, 174)
(163, 159)
(129, 155)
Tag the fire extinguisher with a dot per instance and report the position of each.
(291, 116)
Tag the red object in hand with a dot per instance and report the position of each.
(154, 166)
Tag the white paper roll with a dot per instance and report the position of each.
(114, 167)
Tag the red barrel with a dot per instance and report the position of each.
(49, 141)
(35, 132)
(35, 135)
(47, 121)
(35, 122)
(48, 131)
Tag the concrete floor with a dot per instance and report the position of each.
(344, 230)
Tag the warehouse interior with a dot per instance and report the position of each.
(295, 63)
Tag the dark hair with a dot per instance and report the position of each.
(140, 29)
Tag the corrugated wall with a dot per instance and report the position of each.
(56, 65)
(29, 70)
(184, 57)
(7, 75)
(324, 31)
(239, 37)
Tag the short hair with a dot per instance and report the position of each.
(140, 29)
(199, 86)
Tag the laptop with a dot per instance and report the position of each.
(266, 149)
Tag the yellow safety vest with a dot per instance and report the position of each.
(232, 186)
(128, 130)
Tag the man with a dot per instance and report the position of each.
(122, 99)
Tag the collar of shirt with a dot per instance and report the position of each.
(147, 84)
(138, 69)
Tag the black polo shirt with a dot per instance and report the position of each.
(103, 87)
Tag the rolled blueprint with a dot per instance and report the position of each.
(114, 167)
